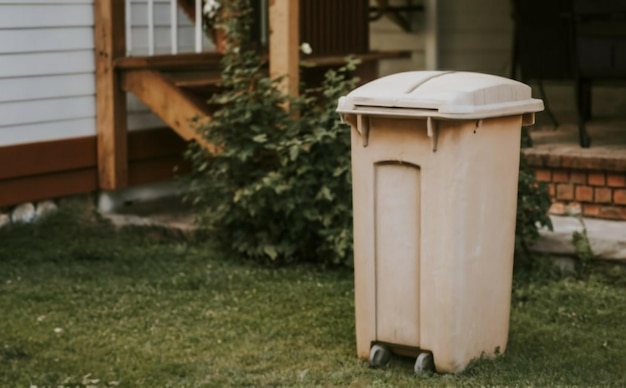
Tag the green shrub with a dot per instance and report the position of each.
(533, 202)
(280, 189)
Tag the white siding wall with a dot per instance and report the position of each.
(47, 85)
(47, 68)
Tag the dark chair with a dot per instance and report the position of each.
(544, 46)
(600, 46)
(579, 40)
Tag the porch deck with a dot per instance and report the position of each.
(558, 147)
(587, 180)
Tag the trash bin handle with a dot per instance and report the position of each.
(432, 126)
(432, 130)
(528, 119)
(363, 124)
(363, 127)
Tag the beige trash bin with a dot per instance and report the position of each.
(435, 158)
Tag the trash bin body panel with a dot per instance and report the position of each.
(463, 201)
(472, 251)
(397, 241)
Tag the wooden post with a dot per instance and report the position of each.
(431, 40)
(111, 128)
(284, 53)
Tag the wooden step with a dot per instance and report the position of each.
(176, 108)
(197, 81)
(177, 88)
(339, 60)
(207, 60)
(212, 60)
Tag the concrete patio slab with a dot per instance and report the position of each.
(607, 238)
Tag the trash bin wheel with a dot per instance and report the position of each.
(424, 363)
(380, 356)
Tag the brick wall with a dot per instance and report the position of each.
(595, 187)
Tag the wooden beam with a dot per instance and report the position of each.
(339, 60)
(110, 44)
(47, 157)
(170, 62)
(285, 43)
(168, 102)
(47, 186)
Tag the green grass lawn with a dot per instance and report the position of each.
(84, 305)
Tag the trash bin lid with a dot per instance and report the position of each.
(443, 94)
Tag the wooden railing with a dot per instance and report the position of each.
(157, 27)
(335, 27)
(154, 16)
(331, 27)
(122, 65)
(115, 76)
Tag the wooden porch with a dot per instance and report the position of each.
(176, 86)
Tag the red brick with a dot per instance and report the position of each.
(557, 208)
(552, 160)
(568, 161)
(584, 193)
(619, 196)
(543, 175)
(560, 176)
(616, 180)
(573, 208)
(619, 164)
(552, 190)
(596, 179)
(591, 210)
(613, 212)
(565, 191)
(532, 159)
(622, 215)
(592, 163)
(578, 177)
(603, 195)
